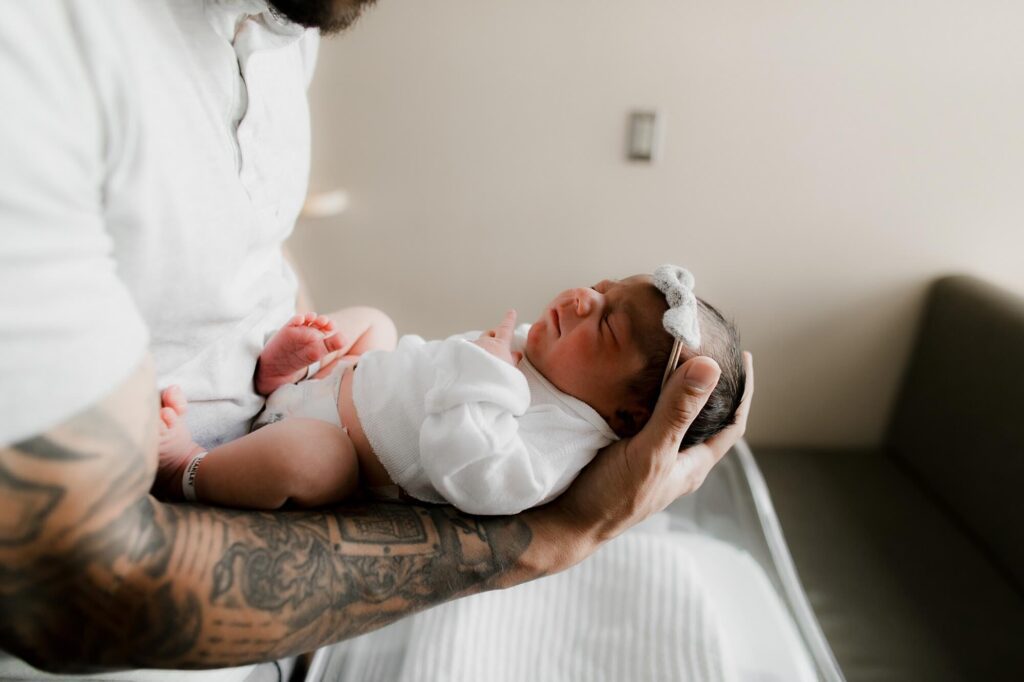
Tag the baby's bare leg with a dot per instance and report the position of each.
(366, 329)
(302, 462)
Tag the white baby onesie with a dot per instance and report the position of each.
(452, 423)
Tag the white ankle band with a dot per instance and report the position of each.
(188, 479)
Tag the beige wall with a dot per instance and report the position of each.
(822, 162)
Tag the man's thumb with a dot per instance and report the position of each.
(682, 399)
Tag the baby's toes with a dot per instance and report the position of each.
(174, 398)
(168, 418)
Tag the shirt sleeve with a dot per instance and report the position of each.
(470, 442)
(69, 330)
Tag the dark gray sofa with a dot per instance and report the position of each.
(912, 554)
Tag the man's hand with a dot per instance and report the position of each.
(639, 476)
(498, 341)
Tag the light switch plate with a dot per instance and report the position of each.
(643, 136)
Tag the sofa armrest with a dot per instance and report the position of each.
(958, 424)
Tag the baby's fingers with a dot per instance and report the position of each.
(505, 330)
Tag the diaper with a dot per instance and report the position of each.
(310, 398)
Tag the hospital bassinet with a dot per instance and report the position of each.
(732, 506)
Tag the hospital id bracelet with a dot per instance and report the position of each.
(188, 479)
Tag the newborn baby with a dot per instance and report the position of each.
(491, 423)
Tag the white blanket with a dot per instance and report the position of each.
(637, 610)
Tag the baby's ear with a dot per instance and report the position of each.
(627, 421)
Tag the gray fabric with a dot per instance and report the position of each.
(962, 432)
(900, 591)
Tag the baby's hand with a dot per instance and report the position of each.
(498, 341)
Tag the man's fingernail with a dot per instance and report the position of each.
(699, 375)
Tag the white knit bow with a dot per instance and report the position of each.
(680, 319)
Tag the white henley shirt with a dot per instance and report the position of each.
(153, 157)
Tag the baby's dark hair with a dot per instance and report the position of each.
(720, 341)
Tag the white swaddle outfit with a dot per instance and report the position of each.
(452, 423)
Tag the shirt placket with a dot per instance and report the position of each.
(257, 48)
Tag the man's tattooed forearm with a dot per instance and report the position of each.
(105, 601)
(187, 586)
(368, 567)
(45, 448)
(27, 505)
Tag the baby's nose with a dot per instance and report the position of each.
(585, 301)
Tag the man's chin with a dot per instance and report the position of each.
(330, 16)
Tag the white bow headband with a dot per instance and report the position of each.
(680, 320)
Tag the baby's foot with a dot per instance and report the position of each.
(176, 447)
(304, 340)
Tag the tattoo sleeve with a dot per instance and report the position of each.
(96, 573)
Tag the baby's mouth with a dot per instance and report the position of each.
(556, 321)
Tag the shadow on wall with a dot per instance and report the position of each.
(862, 338)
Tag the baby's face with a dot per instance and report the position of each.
(587, 340)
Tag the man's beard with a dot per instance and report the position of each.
(330, 16)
